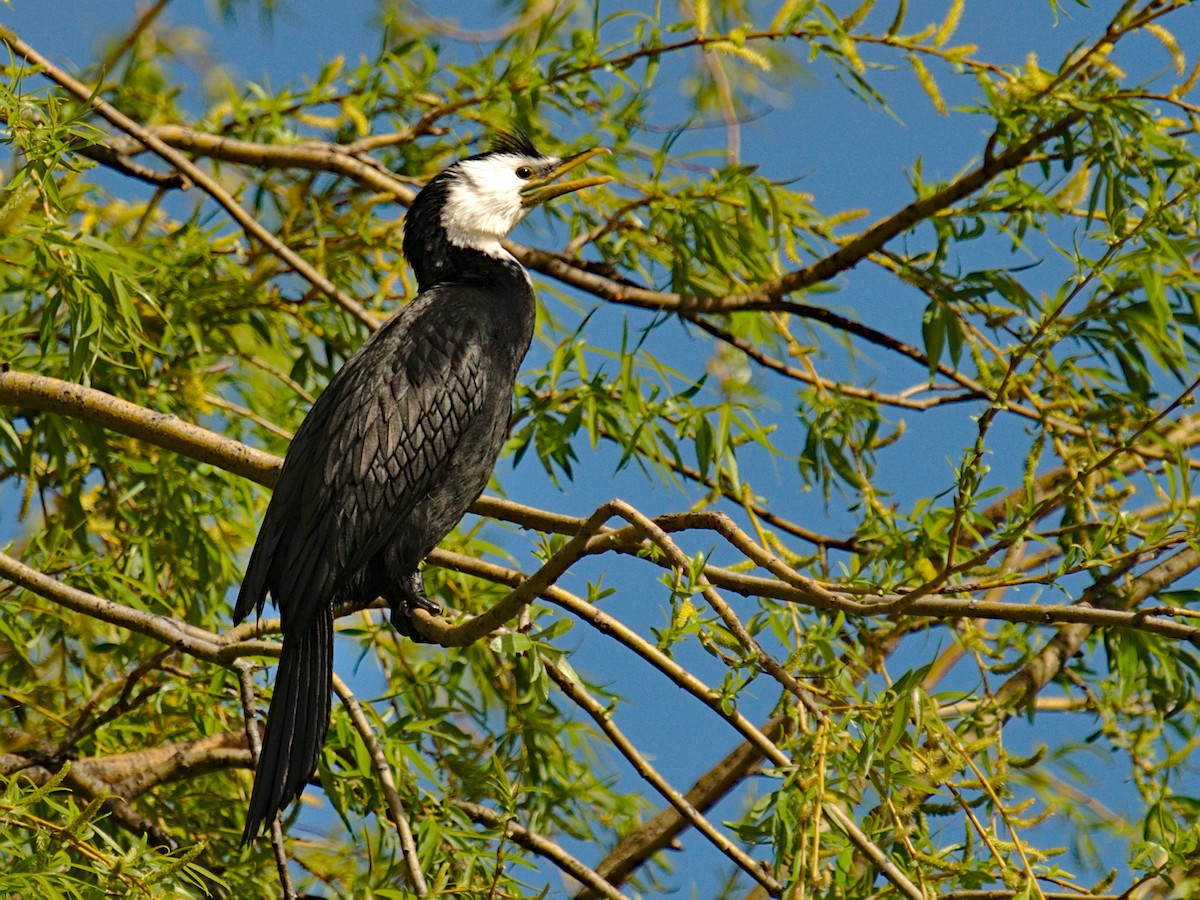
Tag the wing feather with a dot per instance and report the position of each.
(368, 451)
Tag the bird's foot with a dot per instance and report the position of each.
(409, 599)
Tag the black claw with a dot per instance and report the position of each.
(409, 599)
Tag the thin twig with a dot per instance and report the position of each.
(144, 21)
(383, 773)
(759, 871)
(659, 832)
(902, 400)
(542, 846)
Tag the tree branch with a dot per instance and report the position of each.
(129, 775)
(75, 401)
(315, 156)
(204, 181)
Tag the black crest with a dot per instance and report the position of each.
(515, 141)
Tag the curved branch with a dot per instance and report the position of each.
(88, 404)
(680, 563)
(617, 630)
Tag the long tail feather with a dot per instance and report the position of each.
(296, 723)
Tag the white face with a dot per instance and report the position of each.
(484, 202)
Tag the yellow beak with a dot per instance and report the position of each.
(546, 187)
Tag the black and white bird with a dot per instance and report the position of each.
(397, 447)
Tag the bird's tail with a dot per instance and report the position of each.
(296, 722)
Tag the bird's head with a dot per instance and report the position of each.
(480, 199)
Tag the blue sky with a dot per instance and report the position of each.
(848, 155)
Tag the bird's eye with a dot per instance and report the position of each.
(524, 173)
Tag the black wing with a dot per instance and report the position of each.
(368, 451)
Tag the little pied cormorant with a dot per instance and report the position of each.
(397, 447)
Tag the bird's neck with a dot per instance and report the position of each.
(439, 257)
(441, 262)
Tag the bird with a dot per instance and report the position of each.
(400, 443)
